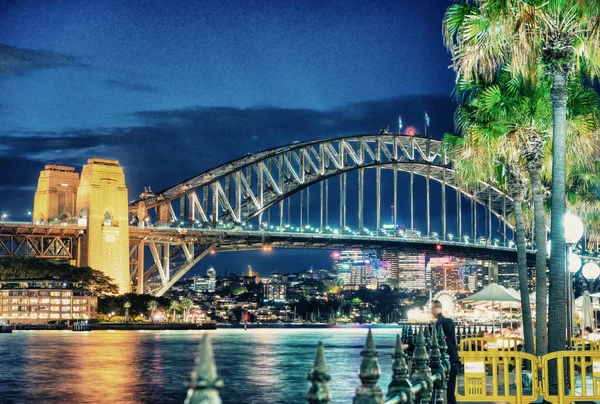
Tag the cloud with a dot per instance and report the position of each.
(129, 86)
(17, 61)
(168, 146)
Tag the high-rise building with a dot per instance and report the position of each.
(447, 277)
(445, 273)
(274, 288)
(391, 257)
(353, 267)
(508, 275)
(411, 272)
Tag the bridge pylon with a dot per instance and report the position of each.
(56, 194)
(103, 206)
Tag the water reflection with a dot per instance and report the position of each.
(258, 365)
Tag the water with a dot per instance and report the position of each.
(258, 365)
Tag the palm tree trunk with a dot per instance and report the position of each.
(557, 316)
(541, 294)
(523, 275)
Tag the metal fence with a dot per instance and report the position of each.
(420, 374)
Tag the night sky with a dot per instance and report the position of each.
(171, 89)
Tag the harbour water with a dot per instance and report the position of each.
(258, 366)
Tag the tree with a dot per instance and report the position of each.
(485, 35)
(152, 306)
(173, 305)
(519, 112)
(33, 268)
(186, 303)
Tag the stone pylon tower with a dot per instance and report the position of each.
(102, 205)
(56, 195)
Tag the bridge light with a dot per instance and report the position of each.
(438, 247)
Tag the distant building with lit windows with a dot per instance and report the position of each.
(206, 283)
(39, 301)
(274, 288)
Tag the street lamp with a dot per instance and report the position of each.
(590, 271)
(573, 232)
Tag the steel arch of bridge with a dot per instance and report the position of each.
(243, 189)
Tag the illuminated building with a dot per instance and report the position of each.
(445, 273)
(206, 283)
(354, 267)
(40, 301)
(447, 277)
(274, 288)
(406, 269)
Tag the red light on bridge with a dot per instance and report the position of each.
(438, 247)
(411, 131)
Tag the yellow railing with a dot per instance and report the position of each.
(578, 376)
(511, 344)
(507, 375)
(497, 376)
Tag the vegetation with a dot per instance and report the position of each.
(486, 36)
(35, 268)
(138, 304)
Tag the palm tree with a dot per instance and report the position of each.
(127, 306)
(173, 305)
(186, 303)
(152, 306)
(483, 36)
(518, 113)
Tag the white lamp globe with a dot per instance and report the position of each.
(574, 262)
(548, 247)
(573, 228)
(590, 271)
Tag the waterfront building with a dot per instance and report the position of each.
(42, 300)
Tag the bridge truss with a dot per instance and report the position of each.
(271, 190)
(40, 241)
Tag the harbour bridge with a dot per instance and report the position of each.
(355, 191)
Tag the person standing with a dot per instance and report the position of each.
(449, 332)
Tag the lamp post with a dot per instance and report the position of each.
(573, 233)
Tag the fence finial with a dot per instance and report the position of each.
(369, 392)
(400, 386)
(205, 384)
(421, 371)
(443, 349)
(318, 392)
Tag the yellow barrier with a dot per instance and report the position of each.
(498, 375)
(578, 376)
(511, 344)
(494, 376)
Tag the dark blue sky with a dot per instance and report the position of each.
(174, 88)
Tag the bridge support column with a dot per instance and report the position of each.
(412, 199)
(361, 198)
(378, 198)
(428, 204)
(163, 214)
(327, 203)
(459, 213)
(444, 206)
(140, 267)
(395, 208)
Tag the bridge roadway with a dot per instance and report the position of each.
(236, 240)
